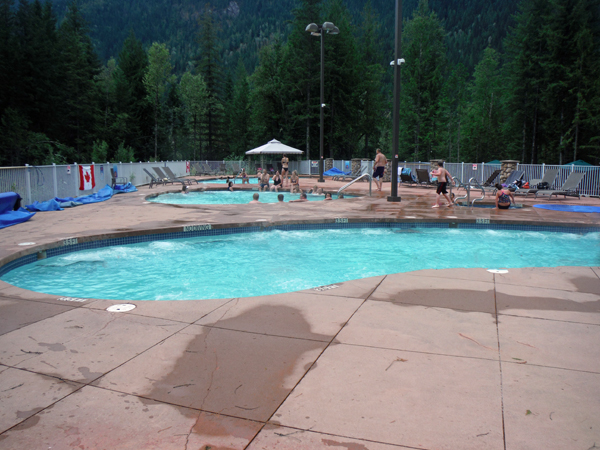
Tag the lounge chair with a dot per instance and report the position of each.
(549, 178)
(407, 177)
(153, 179)
(569, 187)
(198, 169)
(490, 181)
(423, 177)
(222, 169)
(172, 176)
(514, 177)
(164, 177)
(207, 170)
(353, 176)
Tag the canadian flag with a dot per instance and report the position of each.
(86, 178)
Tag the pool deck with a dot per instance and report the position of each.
(433, 359)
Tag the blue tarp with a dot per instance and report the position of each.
(8, 216)
(570, 208)
(335, 171)
(122, 188)
(57, 203)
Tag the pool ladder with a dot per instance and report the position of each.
(358, 179)
(473, 183)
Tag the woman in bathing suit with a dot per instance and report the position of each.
(295, 182)
(503, 197)
(244, 176)
(276, 182)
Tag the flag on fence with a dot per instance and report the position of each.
(86, 178)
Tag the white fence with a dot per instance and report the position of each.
(42, 183)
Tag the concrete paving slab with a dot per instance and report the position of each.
(430, 291)
(100, 419)
(283, 438)
(549, 343)
(82, 344)
(548, 408)
(577, 279)
(422, 329)
(300, 315)
(187, 311)
(239, 374)
(352, 289)
(15, 314)
(411, 399)
(11, 291)
(544, 303)
(457, 274)
(23, 394)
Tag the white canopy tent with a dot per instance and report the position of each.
(273, 147)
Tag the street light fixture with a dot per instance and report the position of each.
(397, 62)
(319, 30)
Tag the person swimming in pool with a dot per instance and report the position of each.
(280, 198)
(229, 184)
(301, 199)
(254, 198)
(504, 197)
(328, 196)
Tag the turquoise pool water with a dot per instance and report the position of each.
(238, 181)
(261, 263)
(228, 198)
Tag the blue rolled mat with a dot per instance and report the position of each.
(570, 208)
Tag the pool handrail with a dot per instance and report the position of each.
(357, 179)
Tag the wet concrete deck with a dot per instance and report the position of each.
(434, 359)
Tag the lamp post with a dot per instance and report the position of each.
(396, 118)
(319, 30)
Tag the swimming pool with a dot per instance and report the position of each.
(226, 197)
(270, 262)
(252, 180)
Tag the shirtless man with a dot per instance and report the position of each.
(378, 169)
(264, 182)
(284, 170)
(254, 198)
(443, 176)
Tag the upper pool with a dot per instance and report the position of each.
(270, 262)
(226, 197)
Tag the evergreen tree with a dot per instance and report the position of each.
(239, 129)
(133, 122)
(195, 99)
(423, 79)
(79, 65)
(454, 105)
(156, 81)
(210, 68)
(486, 111)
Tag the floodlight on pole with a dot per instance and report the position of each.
(319, 30)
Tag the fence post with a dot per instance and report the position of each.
(462, 171)
(76, 174)
(54, 180)
(482, 172)
(28, 181)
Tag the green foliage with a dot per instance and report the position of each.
(100, 152)
(123, 154)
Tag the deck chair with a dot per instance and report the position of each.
(207, 170)
(198, 169)
(490, 181)
(235, 169)
(406, 177)
(162, 176)
(353, 176)
(549, 178)
(569, 188)
(423, 177)
(172, 176)
(222, 169)
(514, 177)
(153, 179)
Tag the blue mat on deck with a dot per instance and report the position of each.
(571, 208)
(335, 171)
(8, 215)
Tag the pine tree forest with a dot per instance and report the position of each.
(483, 80)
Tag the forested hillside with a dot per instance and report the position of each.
(113, 80)
(247, 25)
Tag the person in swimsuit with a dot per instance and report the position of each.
(276, 182)
(295, 182)
(301, 199)
(443, 176)
(280, 198)
(264, 182)
(284, 169)
(328, 196)
(244, 176)
(379, 169)
(504, 197)
(254, 198)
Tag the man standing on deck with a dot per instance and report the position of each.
(379, 168)
(443, 176)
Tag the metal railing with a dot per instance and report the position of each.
(358, 179)
(42, 183)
